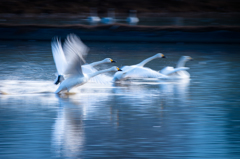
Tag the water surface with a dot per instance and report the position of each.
(196, 118)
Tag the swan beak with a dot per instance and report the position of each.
(119, 69)
(112, 61)
(190, 58)
(163, 56)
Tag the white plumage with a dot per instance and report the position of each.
(179, 71)
(69, 62)
(138, 70)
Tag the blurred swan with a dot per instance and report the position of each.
(93, 18)
(132, 19)
(72, 65)
(77, 78)
(110, 19)
(73, 46)
(138, 70)
(179, 71)
(60, 61)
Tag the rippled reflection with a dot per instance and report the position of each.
(68, 131)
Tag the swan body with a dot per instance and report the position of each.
(138, 70)
(107, 20)
(110, 19)
(179, 71)
(132, 19)
(79, 79)
(93, 18)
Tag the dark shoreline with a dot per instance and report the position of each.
(124, 33)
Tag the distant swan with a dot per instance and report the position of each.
(110, 19)
(72, 68)
(138, 70)
(179, 71)
(60, 61)
(93, 18)
(132, 19)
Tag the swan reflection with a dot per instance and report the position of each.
(68, 132)
(146, 94)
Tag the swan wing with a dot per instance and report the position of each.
(58, 56)
(142, 72)
(101, 79)
(177, 70)
(166, 70)
(88, 69)
(74, 45)
(75, 51)
(127, 68)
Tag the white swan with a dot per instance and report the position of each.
(132, 19)
(72, 64)
(179, 71)
(110, 19)
(60, 54)
(138, 70)
(60, 61)
(93, 18)
(76, 77)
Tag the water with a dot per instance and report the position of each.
(196, 118)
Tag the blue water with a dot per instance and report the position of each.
(196, 118)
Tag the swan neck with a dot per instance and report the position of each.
(96, 63)
(99, 72)
(147, 60)
(181, 62)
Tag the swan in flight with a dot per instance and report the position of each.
(138, 70)
(60, 61)
(179, 71)
(71, 64)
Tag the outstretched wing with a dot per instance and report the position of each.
(142, 72)
(176, 70)
(74, 45)
(102, 79)
(58, 56)
(74, 51)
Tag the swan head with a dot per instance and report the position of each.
(115, 69)
(187, 58)
(160, 55)
(109, 60)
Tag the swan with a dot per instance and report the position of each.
(110, 19)
(132, 19)
(138, 70)
(77, 78)
(60, 61)
(72, 66)
(60, 54)
(179, 71)
(93, 18)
